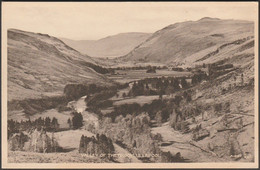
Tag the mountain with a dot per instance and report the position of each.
(111, 46)
(193, 42)
(40, 65)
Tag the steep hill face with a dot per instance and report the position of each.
(111, 46)
(40, 65)
(192, 41)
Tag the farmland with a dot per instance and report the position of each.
(123, 76)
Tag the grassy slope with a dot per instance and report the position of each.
(181, 41)
(241, 100)
(42, 65)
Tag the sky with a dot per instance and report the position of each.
(95, 20)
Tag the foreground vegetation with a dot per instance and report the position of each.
(179, 104)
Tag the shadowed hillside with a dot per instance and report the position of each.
(40, 65)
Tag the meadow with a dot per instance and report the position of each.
(124, 76)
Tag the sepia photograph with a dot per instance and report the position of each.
(129, 85)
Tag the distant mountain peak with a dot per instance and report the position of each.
(110, 46)
(208, 18)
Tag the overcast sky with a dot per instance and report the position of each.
(95, 20)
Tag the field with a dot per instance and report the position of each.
(124, 76)
(138, 99)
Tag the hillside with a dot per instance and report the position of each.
(111, 46)
(193, 41)
(40, 65)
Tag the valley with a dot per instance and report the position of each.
(108, 47)
(195, 105)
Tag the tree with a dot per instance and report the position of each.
(69, 122)
(146, 85)
(54, 124)
(161, 94)
(151, 70)
(92, 88)
(184, 83)
(81, 144)
(47, 123)
(176, 84)
(77, 120)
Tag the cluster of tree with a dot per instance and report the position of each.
(177, 121)
(160, 86)
(122, 86)
(178, 69)
(99, 145)
(99, 69)
(142, 68)
(32, 106)
(34, 141)
(46, 123)
(76, 121)
(198, 77)
(124, 109)
(100, 99)
(140, 88)
(164, 106)
(75, 91)
(218, 70)
(168, 157)
(16, 142)
(159, 109)
(131, 132)
(151, 70)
